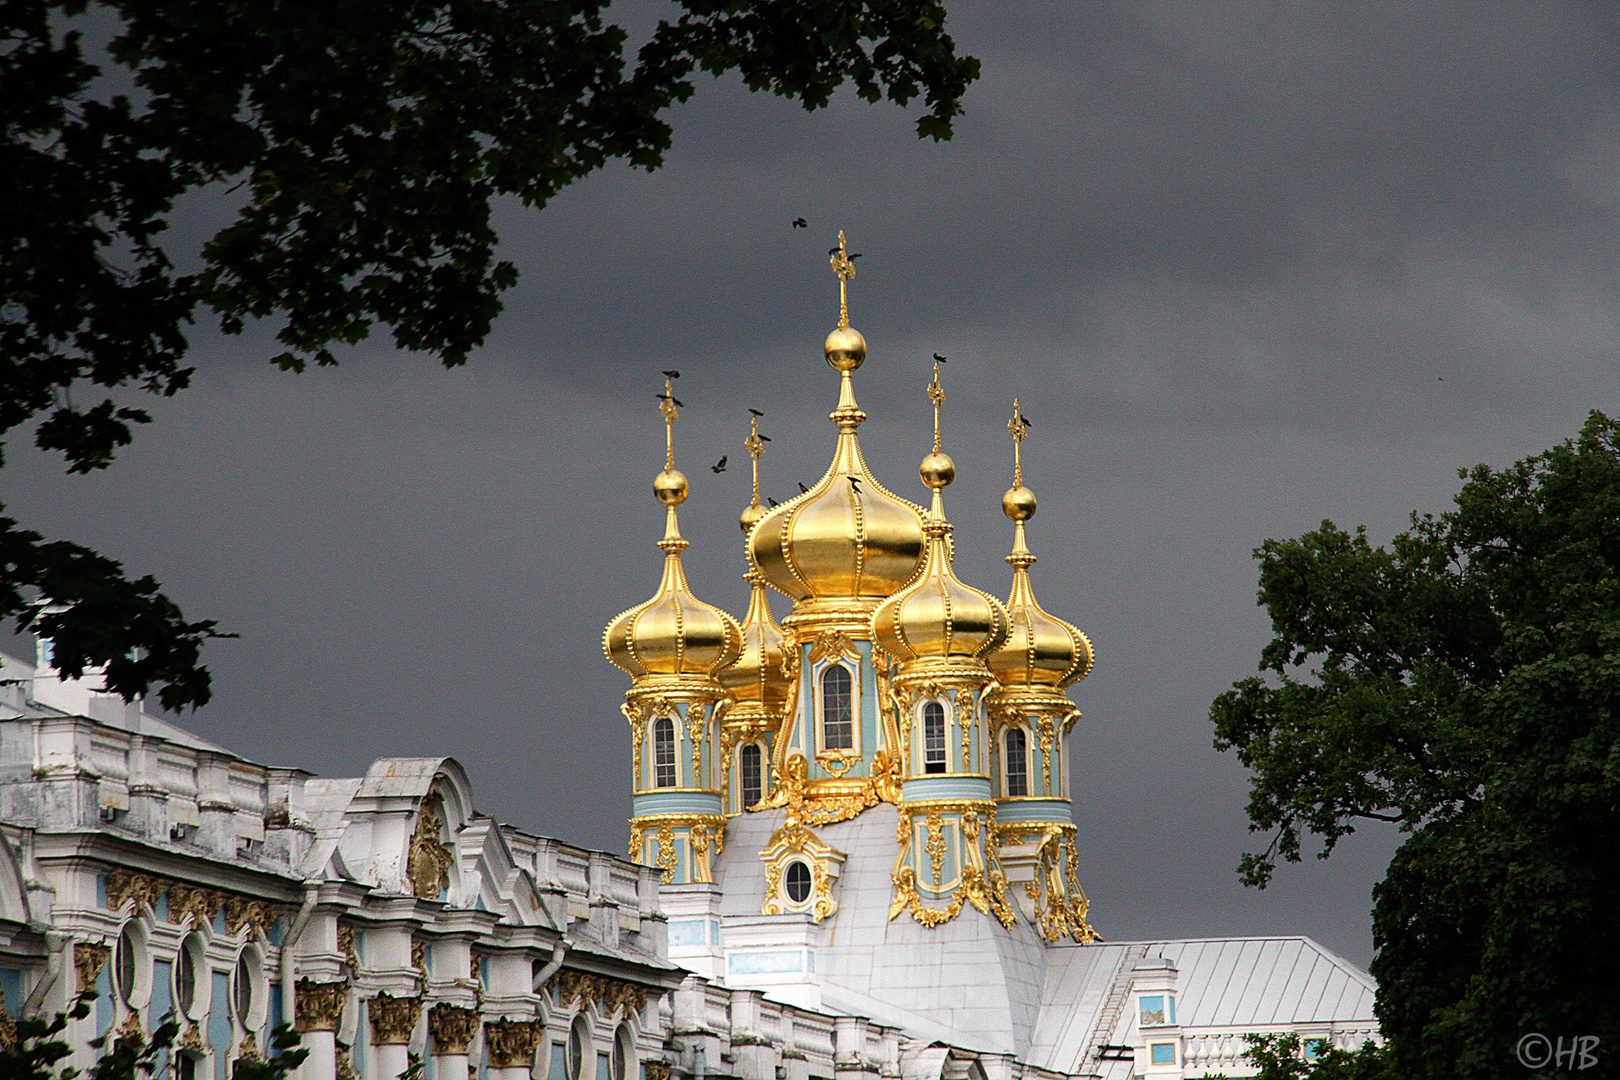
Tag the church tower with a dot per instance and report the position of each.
(1030, 720)
(673, 646)
(939, 630)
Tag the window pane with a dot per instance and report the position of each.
(752, 782)
(837, 710)
(934, 737)
(664, 753)
(1152, 1010)
(798, 882)
(1164, 1053)
(1017, 763)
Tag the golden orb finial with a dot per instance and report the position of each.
(1019, 502)
(670, 486)
(937, 469)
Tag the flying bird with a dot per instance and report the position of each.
(756, 412)
(939, 358)
(832, 251)
(672, 374)
(800, 223)
(764, 438)
(802, 489)
(719, 466)
(855, 256)
(679, 404)
(772, 501)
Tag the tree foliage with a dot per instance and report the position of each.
(1465, 683)
(364, 141)
(38, 1048)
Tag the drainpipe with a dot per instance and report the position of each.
(558, 951)
(289, 1003)
(56, 944)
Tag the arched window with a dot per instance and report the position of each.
(1017, 763)
(753, 776)
(579, 1040)
(837, 709)
(934, 738)
(664, 752)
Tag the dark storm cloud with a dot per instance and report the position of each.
(1246, 265)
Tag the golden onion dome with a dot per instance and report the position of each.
(937, 616)
(674, 633)
(846, 539)
(756, 679)
(1041, 649)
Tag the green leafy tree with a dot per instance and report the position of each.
(366, 140)
(38, 1047)
(1282, 1057)
(1463, 682)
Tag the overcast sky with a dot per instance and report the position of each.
(1248, 266)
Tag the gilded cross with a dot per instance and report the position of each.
(844, 267)
(756, 450)
(1018, 429)
(666, 405)
(936, 394)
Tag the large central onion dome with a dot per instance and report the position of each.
(847, 541)
(674, 633)
(1041, 649)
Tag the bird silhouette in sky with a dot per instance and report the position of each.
(802, 489)
(756, 412)
(832, 251)
(672, 374)
(764, 438)
(671, 397)
(939, 358)
(719, 466)
(1022, 419)
(855, 256)
(772, 501)
(800, 223)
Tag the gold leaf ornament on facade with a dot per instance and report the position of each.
(128, 885)
(393, 1019)
(89, 957)
(256, 916)
(428, 864)
(189, 903)
(612, 997)
(319, 1006)
(511, 1043)
(452, 1028)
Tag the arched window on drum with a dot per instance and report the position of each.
(837, 709)
(934, 760)
(664, 752)
(751, 770)
(1017, 763)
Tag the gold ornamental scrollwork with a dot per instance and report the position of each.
(452, 1028)
(343, 1061)
(935, 846)
(257, 916)
(132, 1030)
(319, 1006)
(419, 959)
(393, 1019)
(89, 957)
(833, 644)
(966, 717)
(666, 852)
(428, 864)
(637, 715)
(248, 1049)
(187, 902)
(611, 996)
(838, 762)
(657, 1070)
(191, 1038)
(346, 946)
(636, 837)
(128, 885)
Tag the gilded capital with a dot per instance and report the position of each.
(393, 1019)
(453, 1028)
(511, 1043)
(319, 1006)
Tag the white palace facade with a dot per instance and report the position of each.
(852, 852)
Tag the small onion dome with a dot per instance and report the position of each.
(937, 616)
(841, 540)
(1041, 650)
(674, 633)
(755, 678)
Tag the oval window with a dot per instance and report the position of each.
(186, 975)
(798, 882)
(579, 1037)
(125, 965)
(623, 1052)
(246, 981)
